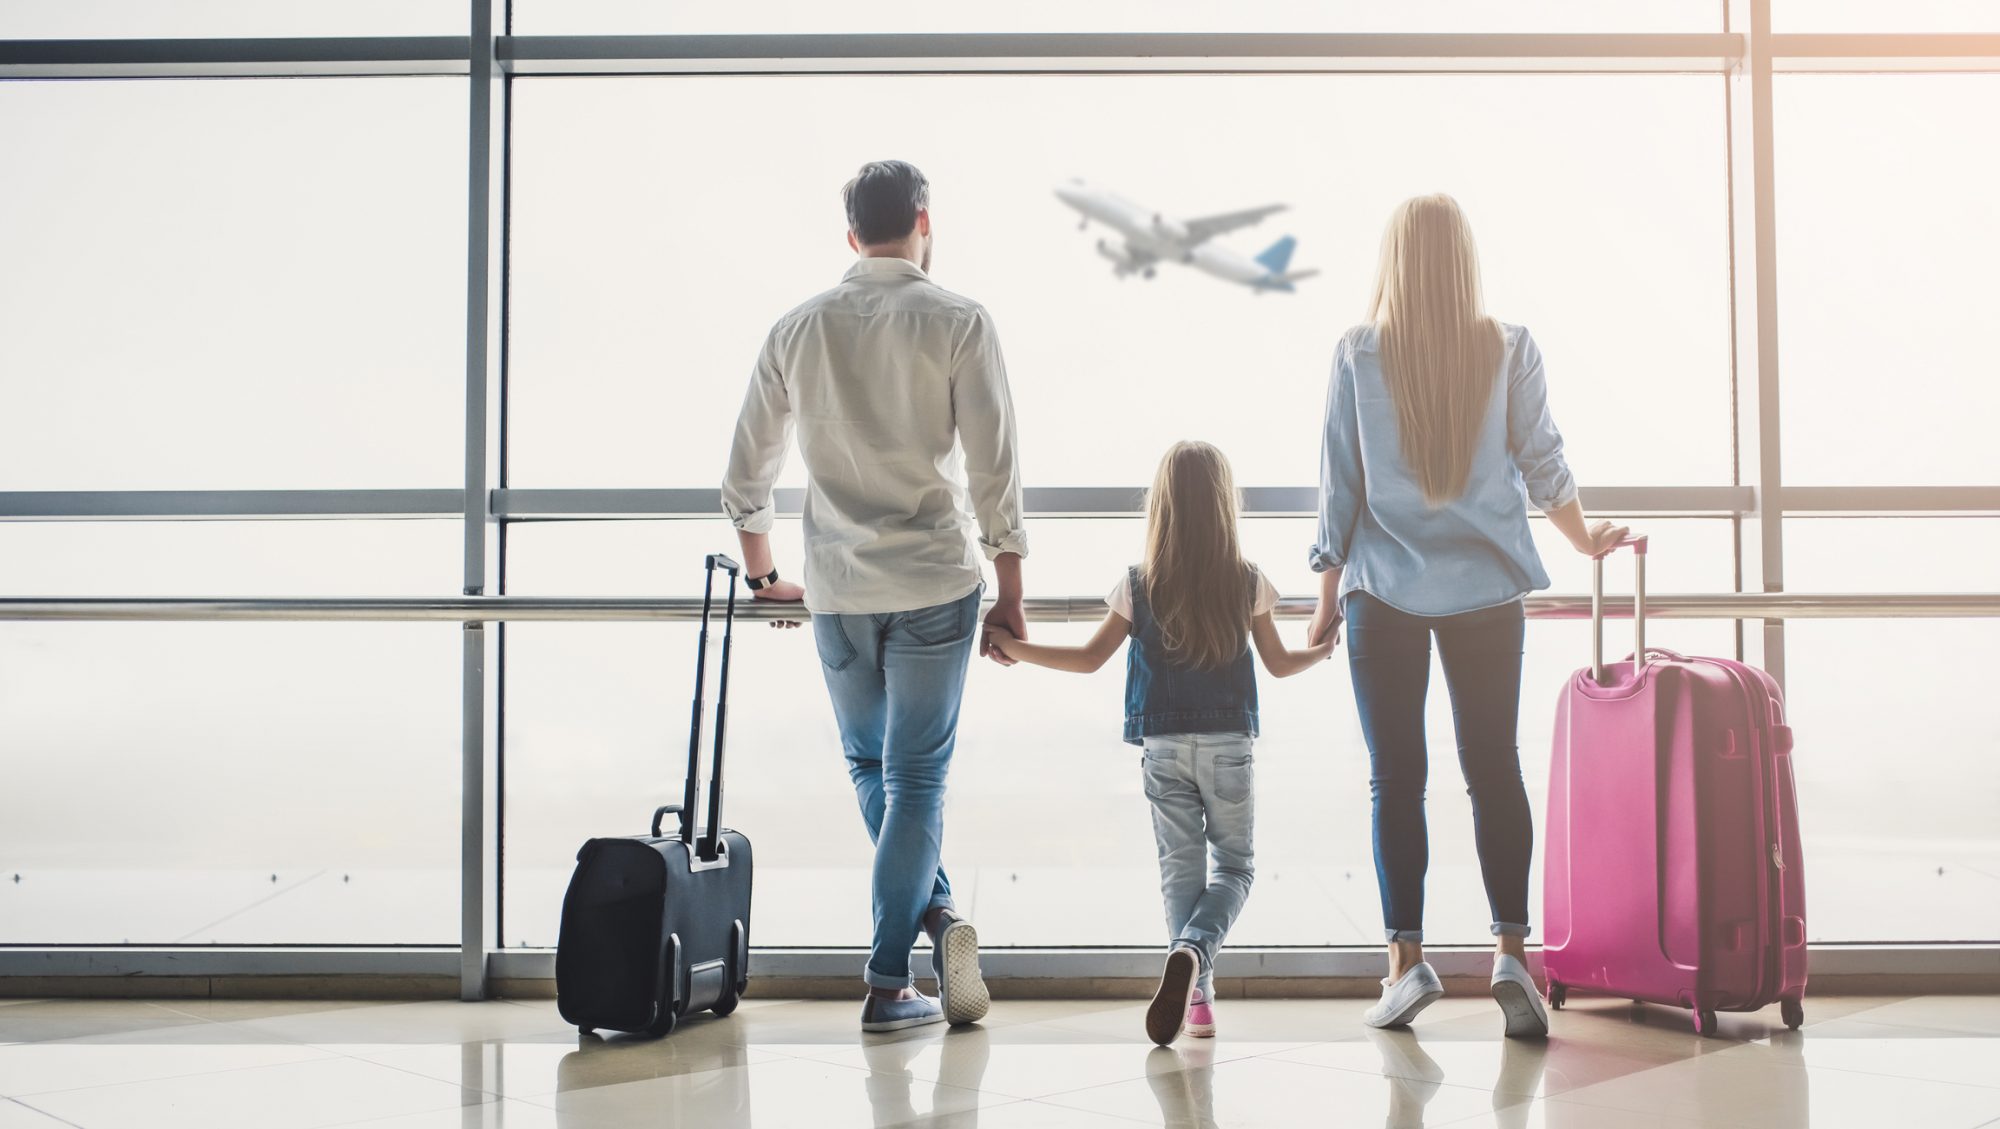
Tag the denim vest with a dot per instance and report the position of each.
(1162, 698)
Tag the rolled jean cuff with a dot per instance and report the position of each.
(878, 980)
(1509, 929)
(1413, 935)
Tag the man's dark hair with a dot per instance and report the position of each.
(883, 199)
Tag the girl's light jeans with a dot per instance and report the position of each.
(1200, 788)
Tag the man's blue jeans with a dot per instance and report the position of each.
(896, 679)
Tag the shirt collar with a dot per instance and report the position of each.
(881, 266)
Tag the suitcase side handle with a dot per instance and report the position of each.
(1637, 543)
(660, 813)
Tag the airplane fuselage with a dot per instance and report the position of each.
(1149, 237)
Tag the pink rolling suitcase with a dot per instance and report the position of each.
(1672, 868)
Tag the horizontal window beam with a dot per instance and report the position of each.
(1056, 609)
(234, 58)
(1843, 53)
(1970, 960)
(1094, 53)
(1041, 501)
(1891, 499)
(176, 505)
(1083, 501)
(988, 53)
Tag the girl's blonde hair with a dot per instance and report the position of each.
(1197, 582)
(1440, 352)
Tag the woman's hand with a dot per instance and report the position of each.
(782, 592)
(1325, 628)
(1601, 538)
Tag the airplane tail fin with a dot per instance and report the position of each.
(1278, 256)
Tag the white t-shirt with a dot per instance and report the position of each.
(1120, 598)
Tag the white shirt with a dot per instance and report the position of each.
(899, 397)
(1120, 598)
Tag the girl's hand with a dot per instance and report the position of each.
(1003, 640)
(1324, 651)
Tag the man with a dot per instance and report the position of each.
(900, 399)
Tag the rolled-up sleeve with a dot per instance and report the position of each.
(983, 411)
(1341, 485)
(1532, 439)
(763, 432)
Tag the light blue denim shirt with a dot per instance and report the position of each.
(1469, 553)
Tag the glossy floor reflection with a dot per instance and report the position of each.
(217, 1064)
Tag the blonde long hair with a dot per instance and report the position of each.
(1440, 351)
(1196, 579)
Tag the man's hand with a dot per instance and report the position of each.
(783, 592)
(1006, 617)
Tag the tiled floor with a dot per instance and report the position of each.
(1930, 1062)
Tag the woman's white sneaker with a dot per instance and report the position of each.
(1417, 989)
(1520, 1001)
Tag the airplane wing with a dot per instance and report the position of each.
(1204, 228)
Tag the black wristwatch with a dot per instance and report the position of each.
(757, 583)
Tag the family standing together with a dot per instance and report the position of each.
(1437, 437)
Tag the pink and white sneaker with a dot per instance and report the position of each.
(1200, 1017)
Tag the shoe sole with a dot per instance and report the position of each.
(881, 1025)
(1410, 1011)
(1168, 1011)
(961, 990)
(1192, 1032)
(1523, 1021)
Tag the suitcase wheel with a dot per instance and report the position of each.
(1794, 1012)
(664, 1025)
(586, 1032)
(1558, 995)
(1704, 1021)
(726, 1004)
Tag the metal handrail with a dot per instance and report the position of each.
(1060, 609)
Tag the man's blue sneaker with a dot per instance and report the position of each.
(878, 1014)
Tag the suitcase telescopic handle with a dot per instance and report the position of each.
(1637, 542)
(691, 791)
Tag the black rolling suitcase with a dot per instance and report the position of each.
(656, 927)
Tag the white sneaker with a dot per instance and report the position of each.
(955, 962)
(1418, 989)
(1519, 999)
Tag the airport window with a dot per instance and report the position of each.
(1887, 277)
(261, 284)
(232, 285)
(638, 309)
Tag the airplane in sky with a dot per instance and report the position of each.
(1147, 238)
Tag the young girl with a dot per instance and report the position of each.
(1192, 609)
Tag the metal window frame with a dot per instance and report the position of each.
(1746, 54)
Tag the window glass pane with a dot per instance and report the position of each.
(645, 275)
(1896, 777)
(148, 19)
(596, 729)
(1887, 234)
(1898, 554)
(1883, 15)
(229, 783)
(230, 558)
(252, 283)
(548, 17)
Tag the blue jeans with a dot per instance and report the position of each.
(1200, 788)
(896, 679)
(1389, 653)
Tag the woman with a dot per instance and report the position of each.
(1437, 426)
